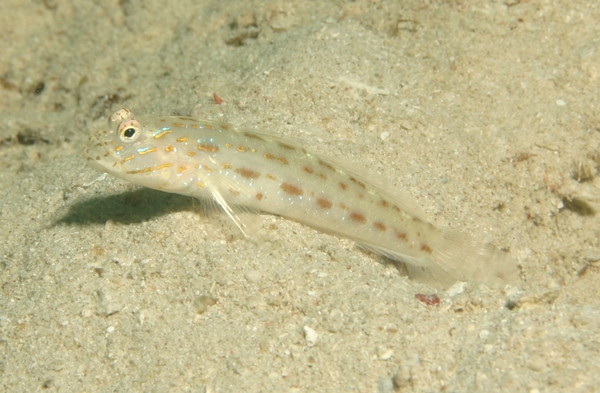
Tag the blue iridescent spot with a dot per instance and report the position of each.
(157, 132)
(143, 149)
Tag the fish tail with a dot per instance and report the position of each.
(460, 257)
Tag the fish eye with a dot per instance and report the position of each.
(129, 133)
(129, 130)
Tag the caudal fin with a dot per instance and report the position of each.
(459, 257)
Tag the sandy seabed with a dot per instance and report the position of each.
(486, 112)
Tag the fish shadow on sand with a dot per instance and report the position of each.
(132, 207)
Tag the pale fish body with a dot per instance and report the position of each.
(244, 169)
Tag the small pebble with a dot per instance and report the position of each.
(311, 336)
(253, 276)
(386, 355)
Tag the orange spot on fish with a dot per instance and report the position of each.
(358, 217)
(208, 147)
(324, 203)
(124, 160)
(291, 189)
(163, 166)
(401, 235)
(426, 248)
(248, 173)
(165, 132)
(144, 152)
(379, 225)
